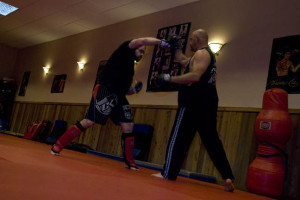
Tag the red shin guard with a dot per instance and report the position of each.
(66, 138)
(128, 149)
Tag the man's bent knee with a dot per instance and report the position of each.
(86, 123)
(127, 127)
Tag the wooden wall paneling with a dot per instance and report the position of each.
(114, 133)
(205, 165)
(13, 118)
(227, 129)
(91, 136)
(292, 184)
(193, 154)
(20, 120)
(146, 116)
(49, 112)
(34, 111)
(62, 114)
(110, 139)
(73, 113)
(65, 113)
(101, 140)
(24, 117)
(244, 148)
(230, 134)
(162, 122)
(57, 113)
(40, 110)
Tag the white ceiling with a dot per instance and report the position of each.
(39, 21)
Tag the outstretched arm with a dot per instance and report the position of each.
(136, 43)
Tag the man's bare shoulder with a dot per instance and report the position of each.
(201, 54)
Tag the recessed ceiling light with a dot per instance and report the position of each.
(5, 8)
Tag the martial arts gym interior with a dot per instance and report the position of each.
(51, 52)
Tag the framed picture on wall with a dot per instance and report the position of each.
(58, 83)
(24, 83)
(163, 59)
(284, 68)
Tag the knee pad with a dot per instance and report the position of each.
(80, 126)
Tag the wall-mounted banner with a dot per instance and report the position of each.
(163, 59)
(284, 69)
(58, 83)
(24, 83)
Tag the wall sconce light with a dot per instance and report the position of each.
(81, 65)
(46, 70)
(215, 47)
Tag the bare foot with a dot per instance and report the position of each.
(228, 185)
(158, 175)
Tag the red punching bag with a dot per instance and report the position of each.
(273, 128)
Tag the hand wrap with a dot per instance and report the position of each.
(164, 43)
(133, 90)
(175, 41)
(162, 79)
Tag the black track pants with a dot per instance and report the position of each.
(187, 122)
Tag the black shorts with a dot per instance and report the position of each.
(105, 104)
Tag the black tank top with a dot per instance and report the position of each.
(118, 72)
(202, 93)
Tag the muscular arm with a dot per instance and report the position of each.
(136, 43)
(181, 58)
(199, 64)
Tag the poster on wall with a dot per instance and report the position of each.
(163, 59)
(284, 69)
(24, 83)
(58, 83)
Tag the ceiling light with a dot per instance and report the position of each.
(5, 8)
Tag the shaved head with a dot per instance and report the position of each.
(201, 34)
(198, 39)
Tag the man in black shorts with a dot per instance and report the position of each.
(109, 97)
(197, 110)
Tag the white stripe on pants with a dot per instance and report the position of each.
(173, 139)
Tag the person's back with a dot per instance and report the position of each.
(119, 70)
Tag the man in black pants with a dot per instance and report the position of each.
(109, 98)
(197, 111)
